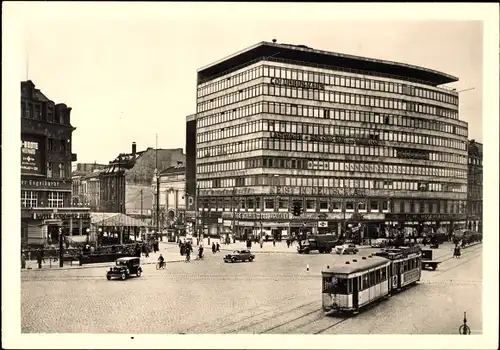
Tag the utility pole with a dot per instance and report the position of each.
(157, 189)
(61, 248)
(118, 183)
(142, 217)
(196, 206)
(233, 209)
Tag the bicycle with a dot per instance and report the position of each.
(160, 265)
(464, 329)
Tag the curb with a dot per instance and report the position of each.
(93, 266)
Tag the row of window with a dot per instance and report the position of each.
(57, 145)
(305, 129)
(323, 78)
(336, 114)
(35, 111)
(345, 286)
(331, 182)
(285, 204)
(29, 199)
(323, 147)
(325, 96)
(309, 164)
(475, 161)
(56, 170)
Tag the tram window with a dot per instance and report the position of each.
(327, 283)
(384, 274)
(406, 265)
(365, 282)
(370, 279)
(349, 286)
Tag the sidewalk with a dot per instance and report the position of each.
(170, 253)
(267, 247)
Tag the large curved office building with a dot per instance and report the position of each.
(354, 140)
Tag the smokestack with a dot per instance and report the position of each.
(134, 148)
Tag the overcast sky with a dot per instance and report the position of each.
(127, 79)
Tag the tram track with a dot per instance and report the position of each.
(267, 318)
(245, 314)
(464, 261)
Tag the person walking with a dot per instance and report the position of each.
(217, 247)
(213, 247)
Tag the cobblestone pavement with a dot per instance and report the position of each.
(273, 294)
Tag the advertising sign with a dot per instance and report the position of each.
(31, 162)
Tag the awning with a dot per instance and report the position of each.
(116, 219)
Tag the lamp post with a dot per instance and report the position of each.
(99, 234)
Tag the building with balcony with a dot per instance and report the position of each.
(46, 156)
(352, 139)
(475, 187)
(125, 184)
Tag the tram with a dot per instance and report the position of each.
(355, 283)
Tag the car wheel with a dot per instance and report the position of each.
(108, 277)
(123, 277)
(251, 259)
(233, 260)
(138, 273)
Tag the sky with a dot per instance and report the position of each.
(129, 79)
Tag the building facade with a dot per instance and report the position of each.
(46, 156)
(173, 199)
(125, 184)
(475, 187)
(352, 139)
(86, 186)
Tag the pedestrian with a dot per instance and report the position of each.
(23, 260)
(261, 242)
(288, 243)
(146, 250)
(456, 251)
(42, 255)
(217, 247)
(213, 247)
(274, 242)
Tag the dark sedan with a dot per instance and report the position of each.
(239, 255)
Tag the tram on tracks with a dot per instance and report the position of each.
(353, 284)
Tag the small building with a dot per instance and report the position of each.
(475, 187)
(125, 184)
(173, 199)
(86, 185)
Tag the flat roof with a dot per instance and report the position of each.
(307, 55)
(340, 266)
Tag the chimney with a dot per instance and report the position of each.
(134, 148)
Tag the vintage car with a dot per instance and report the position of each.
(239, 255)
(346, 249)
(125, 267)
(379, 243)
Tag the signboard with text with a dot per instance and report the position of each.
(45, 184)
(31, 155)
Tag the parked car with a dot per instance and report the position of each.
(125, 268)
(239, 255)
(379, 243)
(346, 249)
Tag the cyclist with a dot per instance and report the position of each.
(161, 260)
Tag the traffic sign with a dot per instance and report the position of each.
(322, 224)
